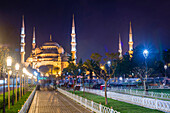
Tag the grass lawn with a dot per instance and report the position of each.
(18, 105)
(122, 107)
(6, 97)
(157, 90)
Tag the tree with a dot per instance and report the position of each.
(108, 70)
(139, 65)
(166, 56)
(73, 69)
(89, 64)
(158, 68)
(123, 66)
(70, 59)
(82, 72)
(89, 67)
(96, 57)
(4, 52)
(140, 72)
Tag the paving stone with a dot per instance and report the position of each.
(55, 102)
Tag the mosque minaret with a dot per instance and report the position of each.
(130, 41)
(73, 42)
(22, 52)
(120, 48)
(33, 39)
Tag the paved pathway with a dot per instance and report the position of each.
(54, 102)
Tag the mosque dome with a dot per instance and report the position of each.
(50, 43)
(60, 50)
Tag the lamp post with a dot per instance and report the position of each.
(10, 72)
(165, 67)
(24, 79)
(3, 73)
(36, 74)
(145, 54)
(9, 64)
(17, 69)
(27, 83)
(109, 64)
(79, 70)
(22, 84)
(32, 81)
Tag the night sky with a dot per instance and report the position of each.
(98, 23)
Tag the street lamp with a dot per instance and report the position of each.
(109, 64)
(79, 70)
(17, 69)
(9, 64)
(36, 74)
(32, 80)
(24, 79)
(165, 67)
(3, 73)
(9, 61)
(20, 85)
(27, 83)
(10, 72)
(145, 54)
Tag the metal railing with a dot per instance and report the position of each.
(98, 108)
(142, 93)
(25, 107)
(142, 101)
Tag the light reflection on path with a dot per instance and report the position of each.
(54, 102)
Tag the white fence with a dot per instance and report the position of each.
(25, 107)
(145, 102)
(136, 87)
(142, 93)
(98, 108)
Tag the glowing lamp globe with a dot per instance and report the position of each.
(35, 73)
(109, 63)
(145, 53)
(165, 67)
(10, 72)
(24, 70)
(9, 61)
(16, 66)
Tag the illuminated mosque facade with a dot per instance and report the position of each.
(50, 53)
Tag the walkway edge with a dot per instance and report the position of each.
(98, 108)
(26, 105)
